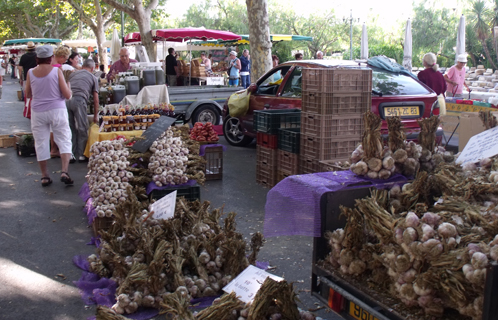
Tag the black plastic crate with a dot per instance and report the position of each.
(191, 193)
(288, 139)
(269, 121)
(25, 151)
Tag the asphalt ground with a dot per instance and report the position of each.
(42, 229)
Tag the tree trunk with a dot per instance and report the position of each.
(488, 56)
(143, 21)
(259, 33)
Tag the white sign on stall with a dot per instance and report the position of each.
(480, 146)
(214, 81)
(247, 283)
(164, 208)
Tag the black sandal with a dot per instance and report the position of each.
(67, 179)
(49, 182)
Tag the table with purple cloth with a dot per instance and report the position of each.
(293, 205)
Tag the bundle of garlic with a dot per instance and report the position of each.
(108, 176)
(191, 253)
(169, 160)
(429, 255)
(274, 300)
(404, 157)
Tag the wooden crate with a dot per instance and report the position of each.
(7, 141)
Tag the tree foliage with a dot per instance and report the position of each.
(36, 18)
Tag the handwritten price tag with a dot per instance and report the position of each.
(480, 146)
(164, 208)
(247, 284)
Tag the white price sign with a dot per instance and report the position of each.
(480, 146)
(247, 284)
(164, 208)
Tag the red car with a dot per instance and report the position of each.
(392, 93)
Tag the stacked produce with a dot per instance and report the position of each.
(432, 248)
(168, 162)
(376, 161)
(203, 132)
(108, 177)
(190, 253)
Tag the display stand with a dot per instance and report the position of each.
(95, 136)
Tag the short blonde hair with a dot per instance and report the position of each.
(62, 52)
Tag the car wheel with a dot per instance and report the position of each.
(233, 133)
(206, 113)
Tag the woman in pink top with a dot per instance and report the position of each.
(455, 77)
(46, 86)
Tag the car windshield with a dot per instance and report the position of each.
(395, 84)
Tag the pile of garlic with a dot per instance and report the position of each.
(169, 160)
(107, 176)
(405, 161)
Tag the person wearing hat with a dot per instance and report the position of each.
(235, 66)
(28, 60)
(431, 76)
(46, 86)
(455, 77)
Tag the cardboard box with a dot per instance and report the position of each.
(7, 141)
(450, 123)
(470, 125)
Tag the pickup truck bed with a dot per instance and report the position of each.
(200, 103)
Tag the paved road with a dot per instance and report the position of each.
(42, 229)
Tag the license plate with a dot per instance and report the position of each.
(401, 111)
(358, 313)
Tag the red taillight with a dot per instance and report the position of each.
(336, 301)
(435, 109)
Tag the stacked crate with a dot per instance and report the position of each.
(333, 103)
(288, 152)
(267, 124)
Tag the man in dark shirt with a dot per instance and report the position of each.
(171, 68)
(28, 60)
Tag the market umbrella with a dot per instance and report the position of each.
(190, 33)
(460, 43)
(407, 51)
(83, 43)
(115, 46)
(245, 39)
(26, 40)
(364, 42)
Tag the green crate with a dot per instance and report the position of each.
(288, 139)
(191, 193)
(269, 121)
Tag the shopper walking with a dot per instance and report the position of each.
(45, 85)
(431, 76)
(3, 68)
(245, 62)
(28, 61)
(234, 65)
(84, 85)
(455, 77)
(12, 63)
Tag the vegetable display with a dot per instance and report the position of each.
(376, 161)
(428, 243)
(108, 177)
(203, 132)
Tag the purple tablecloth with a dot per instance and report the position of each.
(293, 205)
(84, 195)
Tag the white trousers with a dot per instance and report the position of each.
(40, 126)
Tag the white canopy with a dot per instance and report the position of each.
(82, 43)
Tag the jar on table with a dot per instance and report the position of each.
(138, 126)
(107, 120)
(107, 128)
(115, 127)
(144, 126)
